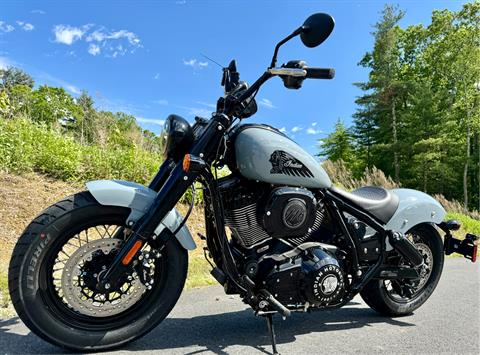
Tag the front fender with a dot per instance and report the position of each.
(414, 207)
(139, 199)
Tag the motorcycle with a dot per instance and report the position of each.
(105, 266)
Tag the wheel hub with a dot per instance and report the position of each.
(82, 272)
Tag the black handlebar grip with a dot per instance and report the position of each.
(320, 73)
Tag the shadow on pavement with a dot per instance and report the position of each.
(215, 333)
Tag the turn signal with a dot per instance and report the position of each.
(131, 253)
(186, 163)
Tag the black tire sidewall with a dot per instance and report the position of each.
(376, 295)
(55, 330)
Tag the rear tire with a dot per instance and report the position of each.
(29, 287)
(376, 295)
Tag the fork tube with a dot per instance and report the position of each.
(162, 175)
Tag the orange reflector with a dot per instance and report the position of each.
(186, 163)
(475, 250)
(131, 253)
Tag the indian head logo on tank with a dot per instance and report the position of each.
(284, 163)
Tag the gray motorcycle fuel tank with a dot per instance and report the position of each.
(265, 154)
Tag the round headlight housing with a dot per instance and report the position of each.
(177, 135)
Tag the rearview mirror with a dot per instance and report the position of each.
(316, 29)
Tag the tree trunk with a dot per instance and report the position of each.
(465, 169)
(395, 141)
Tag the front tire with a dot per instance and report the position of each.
(391, 301)
(43, 308)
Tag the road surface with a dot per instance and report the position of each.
(209, 322)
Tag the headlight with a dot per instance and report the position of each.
(177, 135)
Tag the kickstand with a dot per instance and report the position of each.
(271, 331)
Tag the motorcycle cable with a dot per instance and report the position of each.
(190, 208)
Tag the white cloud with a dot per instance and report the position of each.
(5, 27)
(162, 102)
(73, 89)
(197, 111)
(37, 11)
(25, 26)
(101, 40)
(150, 120)
(66, 34)
(93, 49)
(102, 34)
(195, 64)
(266, 103)
(207, 104)
(4, 63)
(296, 129)
(56, 81)
(312, 130)
(156, 76)
(283, 130)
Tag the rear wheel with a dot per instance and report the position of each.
(57, 262)
(402, 297)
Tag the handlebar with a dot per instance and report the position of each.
(306, 72)
(320, 73)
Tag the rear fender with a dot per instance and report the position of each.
(139, 199)
(415, 207)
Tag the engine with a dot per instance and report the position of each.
(309, 273)
(255, 212)
(272, 232)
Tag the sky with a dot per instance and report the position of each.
(145, 57)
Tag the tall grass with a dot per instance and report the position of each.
(341, 176)
(26, 146)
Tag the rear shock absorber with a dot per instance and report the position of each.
(405, 248)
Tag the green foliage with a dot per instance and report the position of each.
(469, 225)
(338, 144)
(418, 119)
(26, 146)
(12, 76)
(47, 130)
(52, 105)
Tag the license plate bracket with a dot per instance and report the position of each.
(467, 247)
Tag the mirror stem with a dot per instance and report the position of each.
(283, 41)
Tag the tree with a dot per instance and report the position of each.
(418, 117)
(85, 124)
(12, 76)
(385, 87)
(53, 105)
(338, 144)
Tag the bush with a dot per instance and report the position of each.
(26, 146)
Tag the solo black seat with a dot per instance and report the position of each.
(379, 202)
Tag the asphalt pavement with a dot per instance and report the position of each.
(206, 321)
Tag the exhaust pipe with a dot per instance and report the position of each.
(406, 248)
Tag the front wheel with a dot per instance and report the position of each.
(55, 267)
(402, 297)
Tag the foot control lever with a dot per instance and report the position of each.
(275, 304)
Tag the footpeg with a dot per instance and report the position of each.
(274, 303)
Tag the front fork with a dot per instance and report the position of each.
(171, 182)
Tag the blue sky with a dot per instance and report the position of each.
(145, 57)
